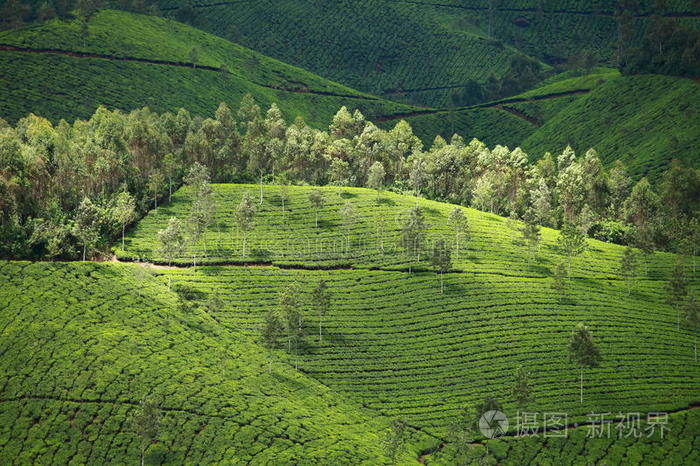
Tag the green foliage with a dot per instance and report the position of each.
(63, 86)
(378, 47)
(84, 343)
(628, 118)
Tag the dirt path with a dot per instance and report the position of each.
(499, 104)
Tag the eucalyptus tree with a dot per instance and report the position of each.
(245, 217)
(583, 351)
(441, 259)
(172, 240)
(413, 234)
(124, 211)
(317, 200)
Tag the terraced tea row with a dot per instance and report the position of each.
(82, 344)
(397, 344)
(373, 235)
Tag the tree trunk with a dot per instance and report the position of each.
(317, 219)
(695, 346)
(84, 251)
(261, 189)
(123, 226)
(170, 188)
(581, 384)
(320, 325)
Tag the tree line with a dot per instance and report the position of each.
(70, 190)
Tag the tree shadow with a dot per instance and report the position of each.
(347, 195)
(261, 254)
(386, 201)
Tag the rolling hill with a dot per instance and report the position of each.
(84, 342)
(622, 117)
(129, 60)
(399, 345)
(381, 47)
(384, 46)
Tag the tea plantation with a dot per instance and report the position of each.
(73, 73)
(83, 344)
(370, 240)
(399, 345)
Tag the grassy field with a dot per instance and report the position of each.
(384, 45)
(64, 86)
(393, 345)
(679, 445)
(82, 344)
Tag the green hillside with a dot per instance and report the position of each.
(129, 60)
(395, 343)
(82, 344)
(383, 46)
(376, 46)
(627, 118)
(375, 225)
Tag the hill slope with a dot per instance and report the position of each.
(376, 46)
(82, 344)
(129, 60)
(398, 47)
(646, 121)
(399, 345)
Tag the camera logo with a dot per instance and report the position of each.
(493, 424)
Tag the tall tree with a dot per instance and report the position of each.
(629, 265)
(87, 225)
(459, 223)
(124, 211)
(531, 235)
(375, 180)
(522, 392)
(145, 421)
(441, 259)
(583, 351)
(349, 215)
(272, 333)
(571, 243)
(413, 234)
(317, 200)
(201, 216)
(245, 217)
(155, 184)
(290, 307)
(172, 240)
(321, 299)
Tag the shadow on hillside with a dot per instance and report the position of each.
(292, 383)
(347, 195)
(386, 201)
(261, 255)
(324, 224)
(431, 211)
